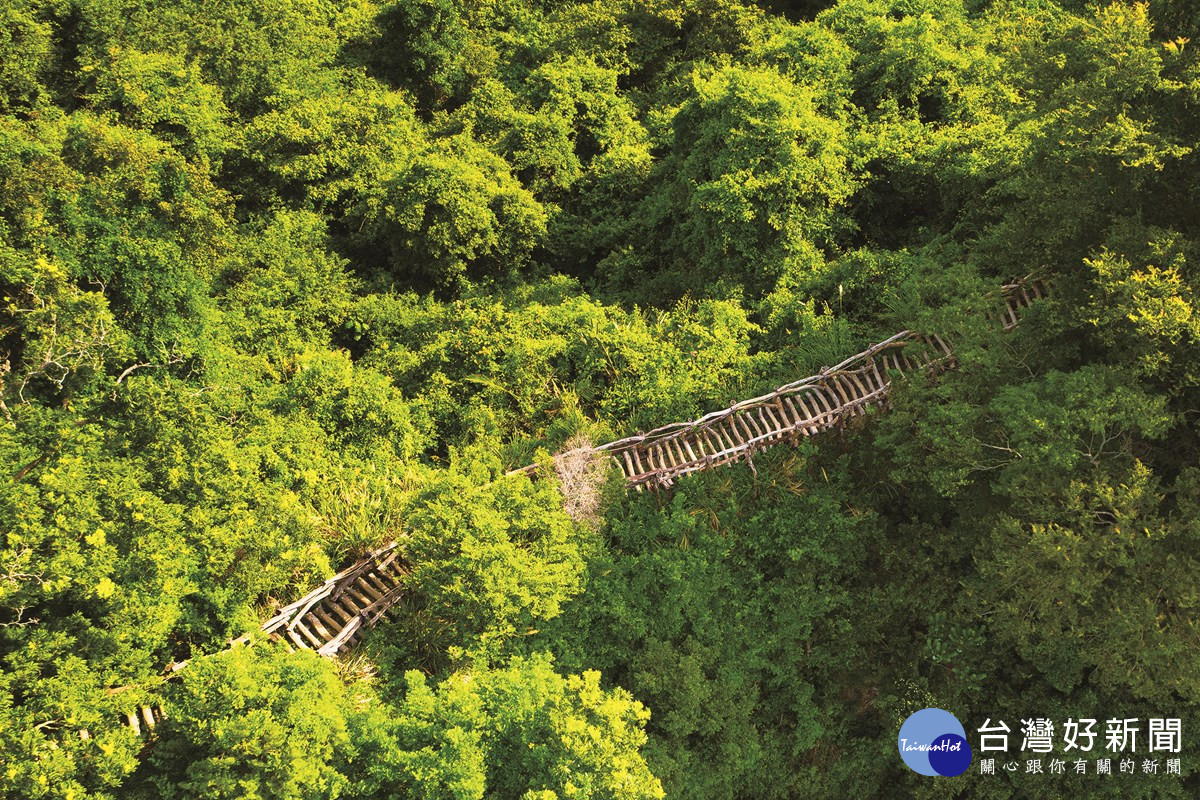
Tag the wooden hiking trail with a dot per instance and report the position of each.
(803, 408)
(331, 618)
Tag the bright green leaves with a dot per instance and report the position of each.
(524, 731)
(667, 38)
(122, 213)
(933, 103)
(153, 226)
(454, 211)
(490, 563)
(25, 52)
(578, 123)
(262, 259)
(1089, 87)
(751, 188)
(253, 723)
(422, 207)
(163, 94)
(912, 59)
(52, 546)
(359, 409)
(1067, 422)
(333, 152)
(1029, 435)
(1102, 592)
(258, 723)
(729, 620)
(512, 365)
(48, 693)
(813, 56)
(1144, 303)
(258, 53)
(285, 291)
(574, 139)
(63, 337)
(423, 46)
(592, 736)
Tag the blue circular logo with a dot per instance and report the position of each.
(933, 742)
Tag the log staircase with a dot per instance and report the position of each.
(333, 617)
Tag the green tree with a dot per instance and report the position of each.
(252, 723)
(488, 565)
(749, 194)
(523, 731)
(452, 212)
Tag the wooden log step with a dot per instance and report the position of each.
(653, 458)
(716, 442)
(380, 580)
(678, 457)
(686, 441)
(361, 600)
(856, 387)
(841, 392)
(365, 588)
(798, 416)
(666, 458)
(769, 427)
(777, 416)
(829, 404)
(330, 624)
(297, 639)
(819, 402)
(749, 426)
(746, 431)
(637, 460)
(881, 382)
(347, 611)
(336, 610)
(686, 456)
(314, 621)
(298, 625)
(627, 468)
(805, 414)
(387, 581)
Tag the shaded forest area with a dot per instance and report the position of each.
(283, 280)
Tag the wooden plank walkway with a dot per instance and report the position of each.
(332, 618)
(804, 408)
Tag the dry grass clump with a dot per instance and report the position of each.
(582, 472)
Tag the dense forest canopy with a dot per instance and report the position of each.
(283, 280)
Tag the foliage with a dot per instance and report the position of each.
(523, 731)
(282, 281)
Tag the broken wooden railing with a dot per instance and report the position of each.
(805, 407)
(331, 618)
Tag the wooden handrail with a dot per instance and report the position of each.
(332, 618)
